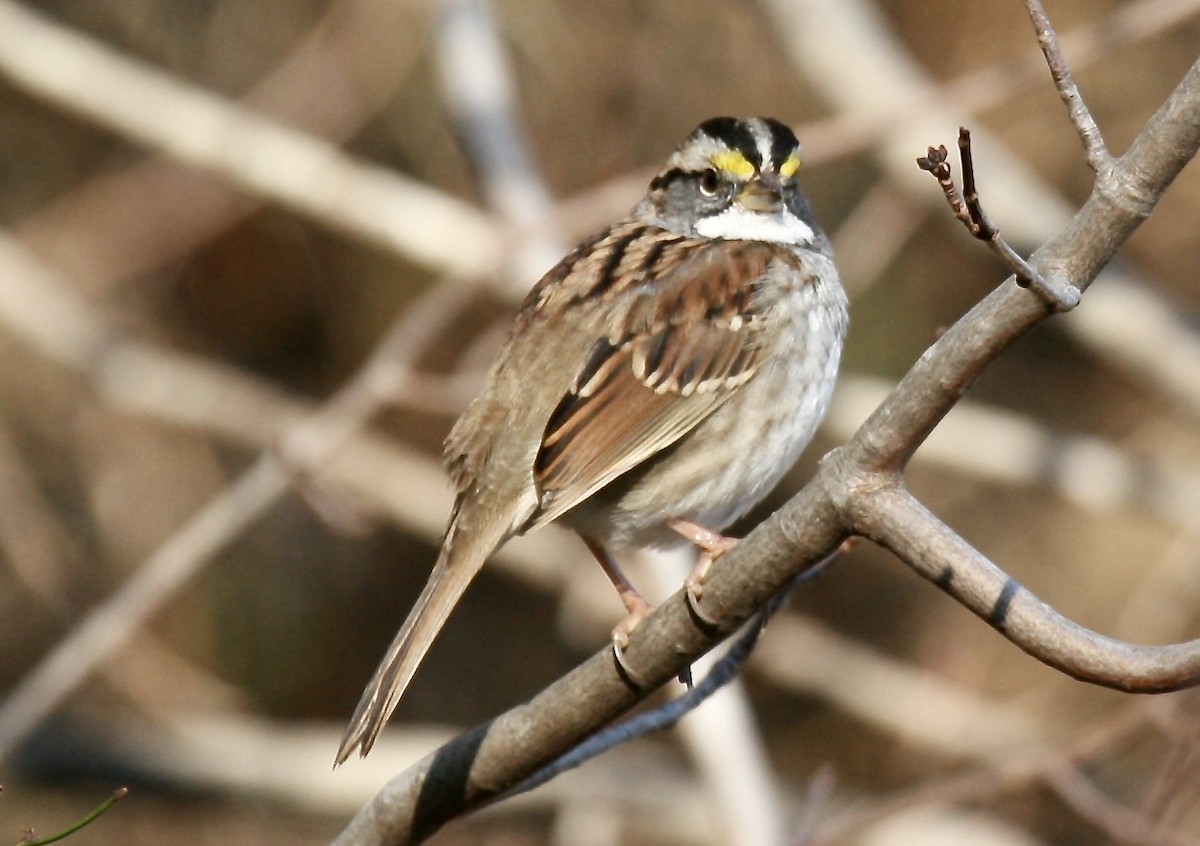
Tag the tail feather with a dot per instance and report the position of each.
(456, 567)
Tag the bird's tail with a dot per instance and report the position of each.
(456, 566)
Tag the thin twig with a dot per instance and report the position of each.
(1097, 154)
(977, 90)
(969, 210)
(935, 162)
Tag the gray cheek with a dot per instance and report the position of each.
(684, 200)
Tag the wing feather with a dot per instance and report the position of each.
(679, 347)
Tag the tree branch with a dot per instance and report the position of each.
(895, 519)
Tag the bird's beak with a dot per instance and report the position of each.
(759, 196)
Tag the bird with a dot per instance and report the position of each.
(655, 384)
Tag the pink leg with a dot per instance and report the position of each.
(636, 607)
(712, 545)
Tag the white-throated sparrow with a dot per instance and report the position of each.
(656, 383)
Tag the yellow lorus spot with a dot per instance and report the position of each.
(733, 163)
(789, 167)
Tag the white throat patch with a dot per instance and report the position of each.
(738, 223)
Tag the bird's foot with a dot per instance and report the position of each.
(637, 609)
(712, 545)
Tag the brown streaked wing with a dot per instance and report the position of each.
(679, 347)
(597, 272)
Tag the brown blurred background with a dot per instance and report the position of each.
(279, 629)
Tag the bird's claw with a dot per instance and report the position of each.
(712, 545)
(639, 609)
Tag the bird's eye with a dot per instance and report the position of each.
(710, 182)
